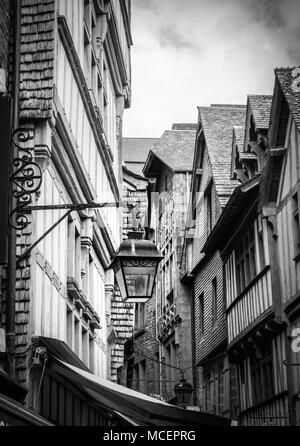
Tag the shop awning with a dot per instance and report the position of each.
(14, 414)
(139, 408)
(133, 407)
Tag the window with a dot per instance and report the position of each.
(171, 362)
(163, 284)
(157, 374)
(214, 387)
(296, 228)
(85, 345)
(90, 38)
(282, 124)
(88, 277)
(130, 374)
(70, 324)
(74, 252)
(140, 316)
(105, 97)
(77, 336)
(166, 182)
(136, 377)
(252, 132)
(261, 250)
(224, 302)
(262, 373)
(242, 374)
(208, 211)
(214, 302)
(170, 299)
(91, 353)
(201, 315)
(201, 148)
(245, 262)
(171, 273)
(143, 377)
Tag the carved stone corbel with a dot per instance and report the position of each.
(86, 243)
(269, 214)
(42, 156)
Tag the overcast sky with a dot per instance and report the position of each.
(198, 52)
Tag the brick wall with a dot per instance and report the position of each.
(146, 346)
(215, 334)
(122, 316)
(201, 216)
(208, 270)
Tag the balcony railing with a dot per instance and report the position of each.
(167, 321)
(253, 302)
(274, 412)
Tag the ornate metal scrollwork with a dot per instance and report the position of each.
(139, 263)
(26, 178)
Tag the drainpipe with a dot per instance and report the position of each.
(11, 267)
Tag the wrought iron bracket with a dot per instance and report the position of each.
(291, 364)
(26, 178)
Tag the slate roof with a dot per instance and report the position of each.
(136, 149)
(217, 123)
(175, 149)
(135, 152)
(261, 110)
(184, 126)
(289, 80)
(37, 58)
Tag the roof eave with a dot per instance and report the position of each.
(148, 165)
(231, 210)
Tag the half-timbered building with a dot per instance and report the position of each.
(73, 66)
(280, 201)
(245, 235)
(212, 186)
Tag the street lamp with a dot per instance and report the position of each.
(183, 391)
(135, 266)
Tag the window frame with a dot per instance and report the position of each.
(245, 261)
(296, 225)
(201, 315)
(214, 302)
(262, 372)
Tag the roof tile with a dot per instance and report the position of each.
(289, 80)
(176, 149)
(37, 58)
(218, 123)
(261, 110)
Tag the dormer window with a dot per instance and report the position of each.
(252, 131)
(283, 123)
(208, 200)
(238, 163)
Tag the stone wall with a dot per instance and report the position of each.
(145, 347)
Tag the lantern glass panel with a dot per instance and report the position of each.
(119, 276)
(139, 280)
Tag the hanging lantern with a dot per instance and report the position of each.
(135, 266)
(183, 392)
